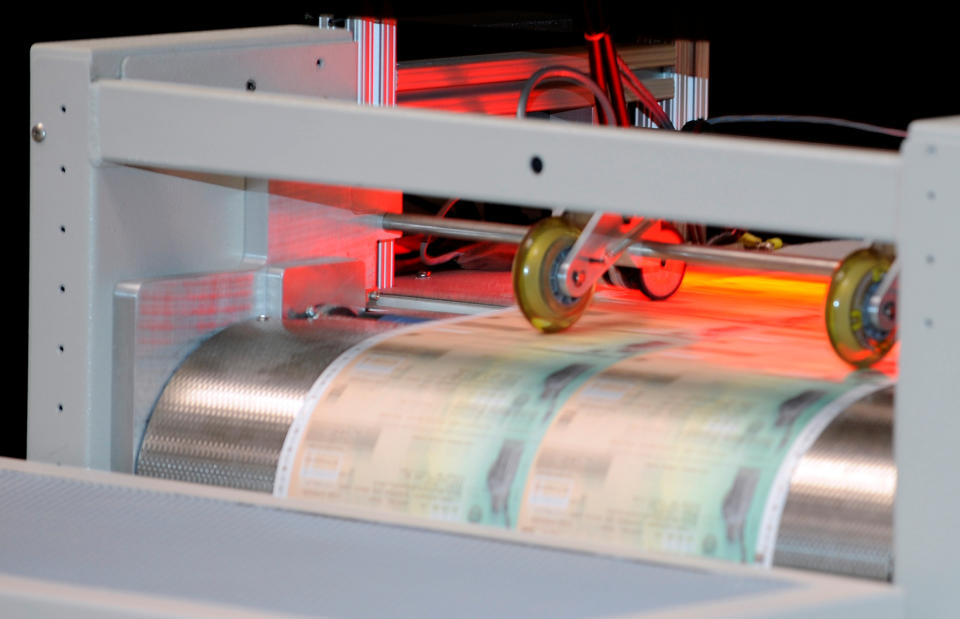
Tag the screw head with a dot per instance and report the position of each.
(577, 277)
(38, 132)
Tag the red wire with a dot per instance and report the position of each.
(614, 83)
(595, 59)
(646, 98)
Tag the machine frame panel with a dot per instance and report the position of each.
(99, 217)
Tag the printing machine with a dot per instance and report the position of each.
(203, 204)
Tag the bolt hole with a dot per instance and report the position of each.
(63, 169)
(62, 288)
(60, 407)
(319, 63)
(251, 85)
(536, 164)
(60, 348)
(63, 109)
(63, 229)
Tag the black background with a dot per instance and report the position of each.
(886, 67)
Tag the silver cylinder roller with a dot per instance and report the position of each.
(223, 417)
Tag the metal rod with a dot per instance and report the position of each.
(463, 229)
(702, 254)
(384, 300)
(469, 230)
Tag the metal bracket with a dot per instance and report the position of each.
(882, 305)
(601, 243)
(295, 290)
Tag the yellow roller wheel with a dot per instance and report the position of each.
(536, 279)
(855, 339)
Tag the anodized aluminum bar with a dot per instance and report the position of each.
(764, 184)
(468, 230)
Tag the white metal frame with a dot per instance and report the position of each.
(796, 187)
(810, 594)
(108, 123)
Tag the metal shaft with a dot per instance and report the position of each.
(702, 254)
(464, 229)
(469, 230)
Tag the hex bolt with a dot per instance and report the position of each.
(38, 132)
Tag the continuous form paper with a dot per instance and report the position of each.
(610, 433)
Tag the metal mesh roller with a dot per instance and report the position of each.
(224, 414)
(839, 512)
